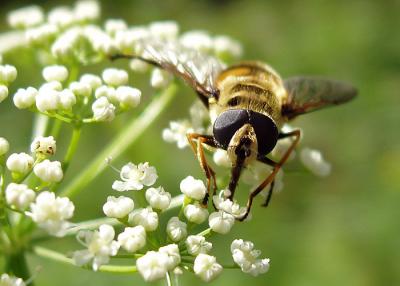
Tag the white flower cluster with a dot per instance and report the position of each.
(8, 74)
(50, 212)
(141, 224)
(70, 33)
(246, 257)
(106, 95)
(222, 46)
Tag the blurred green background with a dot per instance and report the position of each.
(340, 230)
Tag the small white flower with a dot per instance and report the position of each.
(228, 206)
(195, 213)
(112, 26)
(8, 74)
(100, 41)
(177, 133)
(61, 17)
(103, 110)
(3, 92)
(20, 163)
(167, 30)
(145, 217)
(106, 91)
(198, 40)
(67, 99)
(4, 146)
(55, 73)
(245, 256)
(206, 267)
(52, 85)
(25, 98)
(159, 78)
(25, 17)
(51, 213)
(19, 195)
(221, 158)
(100, 246)
(118, 207)
(49, 171)
(158, 198)
(87, 10)
(221, 222)
(197, 244)
(41, 34)
(176, 229)
(44, 145)
(80, 88)
(153, 265)
(134, 177)
(174, 258)
(129, 40)
(314, 161)
(92, 80)
(132, 239)
(64, 45)
(115, 77)
(128, 97)
(47, 100)
(224, 45)
(193, 188)
(138, 66)
(7, 280)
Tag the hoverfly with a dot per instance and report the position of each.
(248, 104)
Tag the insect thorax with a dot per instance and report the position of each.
(250, 85)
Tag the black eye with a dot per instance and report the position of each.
(233, 101)
(266, 132)
(227, 123)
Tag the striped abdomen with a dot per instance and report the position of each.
(252, 86)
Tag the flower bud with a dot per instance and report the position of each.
(19, 196)
(55, 73)
(176, 229)
(118, 207)
(19, 163)
(49, 171)
(4, 146)
(193, 188)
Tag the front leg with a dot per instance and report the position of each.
(199, 152)
(271, 177)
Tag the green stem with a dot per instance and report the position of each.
(207, 232)
(125, 139)
(171, 279)
(73, 144)
(56, 256)
(17, 265)
(55, 129)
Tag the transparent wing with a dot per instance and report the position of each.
(198, 70)
(306, 94)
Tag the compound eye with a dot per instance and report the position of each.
(227, 123)
(266, 131)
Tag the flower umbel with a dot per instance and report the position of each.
(135, 177)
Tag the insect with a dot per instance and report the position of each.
(248, 104)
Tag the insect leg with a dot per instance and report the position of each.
(199, 151)
(270, 178)
(269, 196)
(271, 163)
